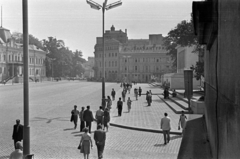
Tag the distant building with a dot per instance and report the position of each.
(131, 60)
(11, 59)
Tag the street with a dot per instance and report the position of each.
(52, 133)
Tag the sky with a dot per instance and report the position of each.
(78, 25)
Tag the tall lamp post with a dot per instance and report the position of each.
(104, 7)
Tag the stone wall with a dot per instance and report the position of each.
(222, 77)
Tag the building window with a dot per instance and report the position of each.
(125, 60)
(116, 54)
(125, 68)
(135, 68)
(100, 65)
(116, 63)
(135, 60)
(4, 57)
(109, 63)
(112, 54)
(157, 60)
(112, 63)
(109, 54)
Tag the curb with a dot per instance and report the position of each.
(143, 129)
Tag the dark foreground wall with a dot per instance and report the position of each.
(222, 77)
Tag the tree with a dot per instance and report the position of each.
(183, 35)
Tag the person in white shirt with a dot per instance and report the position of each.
(166, 127)
(18, 153)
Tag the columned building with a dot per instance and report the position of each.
(11, 59)
(131, 60)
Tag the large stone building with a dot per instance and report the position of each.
(11, 59)
(131, 60)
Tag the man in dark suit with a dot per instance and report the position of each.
(119, 107)
(100, 138)
(88, 118)
(17, 132)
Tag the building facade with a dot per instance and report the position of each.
(217, 25)
(11, 59)
(131, 60)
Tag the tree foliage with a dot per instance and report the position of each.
(60, 61)
(183, 35)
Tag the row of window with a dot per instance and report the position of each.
(18, 58)
(106, 55)
(143, 68)
(110, 64)
(146, 59)
(107, 48)
(38, 71)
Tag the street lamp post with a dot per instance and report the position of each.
(104, 7)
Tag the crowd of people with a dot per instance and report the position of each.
(102, 119)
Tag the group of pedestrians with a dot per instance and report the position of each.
(102, 117)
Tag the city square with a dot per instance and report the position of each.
(179, 59)
(53, 135)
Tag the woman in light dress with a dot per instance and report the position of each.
(85, 143)
(129, 104)
(182, 121)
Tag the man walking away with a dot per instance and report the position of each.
(82, 123)
(113, 93)
(119, 107)
(140, 91)
(166, 127)
(17, 132)
(88, 117)
(100, 137)
(75, 114)
(99, 116)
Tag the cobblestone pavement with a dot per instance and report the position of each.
(52, 134)
(141, 115)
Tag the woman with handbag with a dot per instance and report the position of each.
(85, 143)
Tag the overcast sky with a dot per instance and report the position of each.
(78, 25)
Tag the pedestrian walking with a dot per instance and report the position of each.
(119, 107)
(182, 122)
(17, 132)
(149, 98)
(123, 95)
(109, 103)
(85, 143)
(82, 122)
(166, 127)
(17, 153)
(99, 116)
(166, 93)
(140, 91)
(129, 104)
(75, 114)
(113, 93)
(136, 93)
(88, 118)
(106, 119)
(100, 138)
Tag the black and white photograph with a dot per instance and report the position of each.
(119, 79)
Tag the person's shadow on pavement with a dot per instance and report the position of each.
(159, 145)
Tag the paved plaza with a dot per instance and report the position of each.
(52, 133)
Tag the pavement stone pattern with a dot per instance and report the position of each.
(52, 133)
(142, 115)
